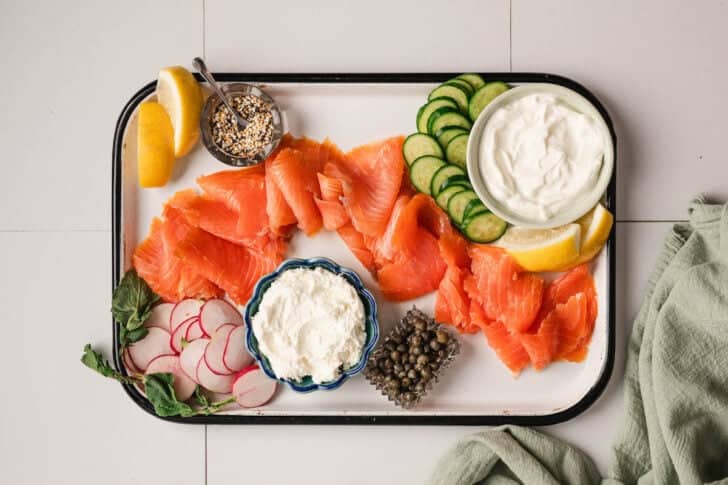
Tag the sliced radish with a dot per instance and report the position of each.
(183, 310)
(184, 387)
(175, 340)
(194, 331)
(235, 356)
(131, 368)
(216, 313)
(252, 388)
(191, 356)
(215, 349)
(156, 343)
(159, 317)
(211, 381)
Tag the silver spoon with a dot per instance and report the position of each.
(199, 64)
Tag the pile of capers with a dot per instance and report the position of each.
(406, 365)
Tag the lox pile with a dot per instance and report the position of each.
(224, 239)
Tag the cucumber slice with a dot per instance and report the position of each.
(447, 120)
(444, 196)
(456, 150)
(484, 227)
(444, 174)
(473, 79)
(423, 114)
(449, 133)
(455, 181)
(484, 96)
(453, 91)
(458, 203)
(473, 207)
(463, 84)
(440, 112)
(423, 169)
(418, 145)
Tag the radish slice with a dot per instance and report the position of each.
(191, 356)
(252, 388)
(214, 351)
(211, 381)
(156, 343)
(216, 313)
(184, 310)
(184, 387)
(159, 317)
(194, 331)
(175, 340)
(235, 356)
(131, 368)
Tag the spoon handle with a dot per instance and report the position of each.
(199, 64)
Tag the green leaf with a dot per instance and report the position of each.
(131, 306)
(201, 398)
(160, 392)
(95, 361)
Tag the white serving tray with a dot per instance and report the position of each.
(351, 110)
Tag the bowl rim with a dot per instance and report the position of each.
(371, 322)
(582, 204)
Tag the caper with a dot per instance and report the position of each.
(397, 368)
(393, 384)
(408, 396)
(426, 374)
(419, 387)
(420, 324)
(441, 353)
(388, 378)
(422, 360)
(406, 382)
(390, 346)
(412, 358)
(396, 339)
(415, 341)
(416, 350)
(442, 336)
(388, 363)
(395, 356)
(401, 374)
(434, 345)
(412, 374)
(401, 348)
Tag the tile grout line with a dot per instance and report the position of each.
(205, 447)
(510, 35)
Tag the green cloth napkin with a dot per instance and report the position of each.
(675, 427)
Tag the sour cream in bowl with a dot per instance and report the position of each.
(540, 156)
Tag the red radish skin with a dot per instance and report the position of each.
(131, 368)
(211, 381)
(175, 340)
(216, 313)
(235, 356)
(154, 344)
(191, 356)
(215, 349)
(184, 310)
(252, 388)
(184, 387)
(194, 331)
(159, 317)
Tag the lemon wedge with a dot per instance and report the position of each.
(596, 225)
(181, 97)
(543, 249)
(155, 145)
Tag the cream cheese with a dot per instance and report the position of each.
(310, 322)
(538, 156)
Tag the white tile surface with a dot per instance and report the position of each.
(661, 69)
(407, 454)
(355, 36)
(69, 69)
(60, 423)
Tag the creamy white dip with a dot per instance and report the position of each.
(310, 322)
(537, 156)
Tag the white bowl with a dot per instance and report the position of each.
(583, 203)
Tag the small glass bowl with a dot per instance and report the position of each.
(211, 105)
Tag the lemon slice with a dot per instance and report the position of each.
(179, 93)
(543, 249)
(155, 145)
(596, 226)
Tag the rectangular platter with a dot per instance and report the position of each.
(352, 109)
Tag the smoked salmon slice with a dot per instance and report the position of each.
(508, 293)
(373, 175)
(506, 346)
(280, 215)
(233, 268)
(452, 304)
(332, 212)
(169, 277)
(244, 192)
(298, 183)
(355, 242)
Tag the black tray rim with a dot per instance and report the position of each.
(589, 398)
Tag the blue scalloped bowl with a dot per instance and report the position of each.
(370, 312)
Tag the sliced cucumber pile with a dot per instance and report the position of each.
(436, 154)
